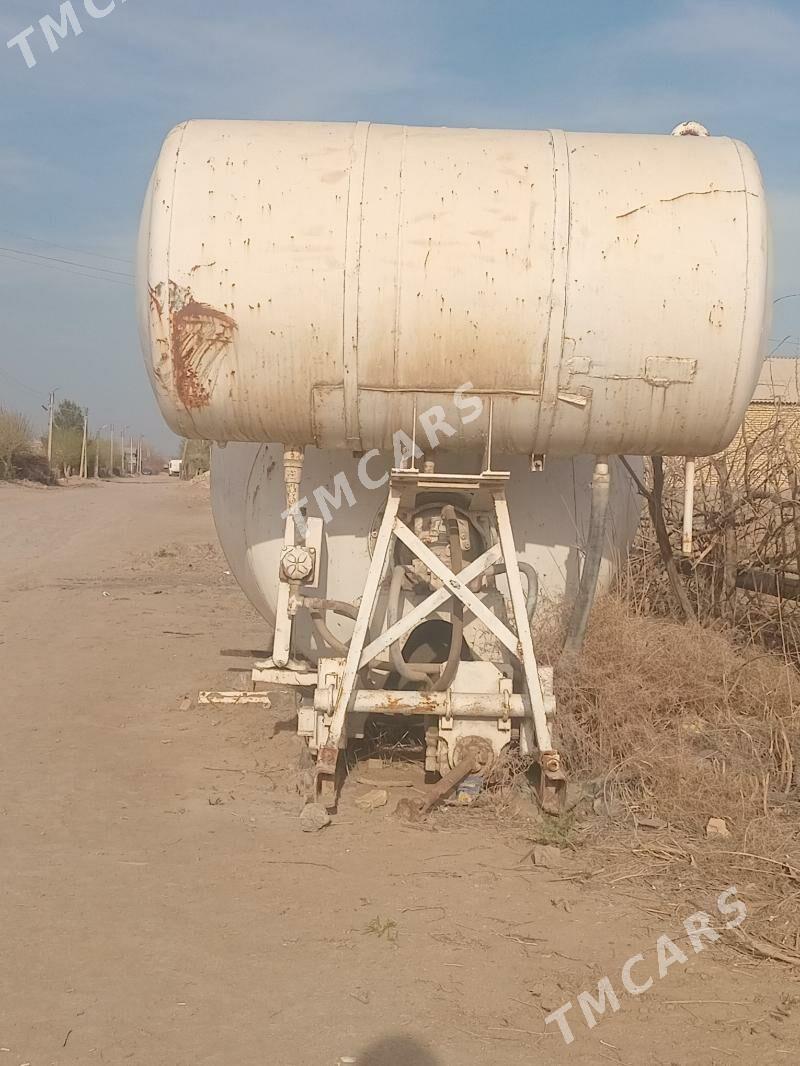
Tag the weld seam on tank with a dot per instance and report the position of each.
(557, 318)
(351, 280)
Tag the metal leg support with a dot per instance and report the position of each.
(328, 755)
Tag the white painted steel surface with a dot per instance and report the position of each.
(303, 282)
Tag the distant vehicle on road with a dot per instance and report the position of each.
(175, 466)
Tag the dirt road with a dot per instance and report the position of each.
(159, 904)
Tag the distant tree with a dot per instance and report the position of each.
(15, 437)
(20, 456)
(67, 447)
(152, 459)
(196, 458)
(68, 415)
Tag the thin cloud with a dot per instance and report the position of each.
(722, 31)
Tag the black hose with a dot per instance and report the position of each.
(532, 593)
(318, 608)
(324, 634)
(447, 676)
(410, 673)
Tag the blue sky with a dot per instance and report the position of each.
(79, 132)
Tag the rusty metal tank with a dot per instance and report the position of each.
(308, 283)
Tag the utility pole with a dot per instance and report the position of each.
(122, 450)
(130, 458)
(84, 472)
(97, 451)
(111, 452)
(50, 408)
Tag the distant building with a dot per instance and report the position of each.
(778, 389)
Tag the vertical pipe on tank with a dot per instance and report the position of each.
(293, 457)
(688, 507)
(601, 491)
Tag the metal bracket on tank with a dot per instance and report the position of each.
(531, 708)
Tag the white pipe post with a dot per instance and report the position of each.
(688, 507)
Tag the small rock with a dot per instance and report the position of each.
(650, 823)
(546, 855)
(313, 817)
(305, 784)
(717, 827)
(575, 794)
(371, 801)
(408, 810)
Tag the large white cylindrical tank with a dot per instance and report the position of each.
(549, 510)
(308, 283)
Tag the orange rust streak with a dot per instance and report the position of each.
(156, 302)
(200, 337)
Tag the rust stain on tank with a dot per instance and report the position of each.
(201, 337)
(155, 300)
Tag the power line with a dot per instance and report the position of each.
(68, 262)
(21, 384)
(65, 270)
(66, 247)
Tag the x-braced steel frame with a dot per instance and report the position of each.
(534, 727)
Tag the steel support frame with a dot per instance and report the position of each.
(534, 727)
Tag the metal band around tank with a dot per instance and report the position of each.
(352, 264)
(558, 290)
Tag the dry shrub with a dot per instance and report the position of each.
(678, 724)
(744, 570)
(678, 719)
(31, 467)
(15, 436)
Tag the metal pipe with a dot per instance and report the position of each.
(317, 606)
(441, 704)
(293, 458)
(601, 491)
(688, 507)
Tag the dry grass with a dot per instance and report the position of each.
(679, 720)
(19, 459)
(15, 435)
(676, 724)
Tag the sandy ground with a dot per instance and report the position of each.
(159, 904)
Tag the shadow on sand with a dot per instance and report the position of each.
(397, 1051)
